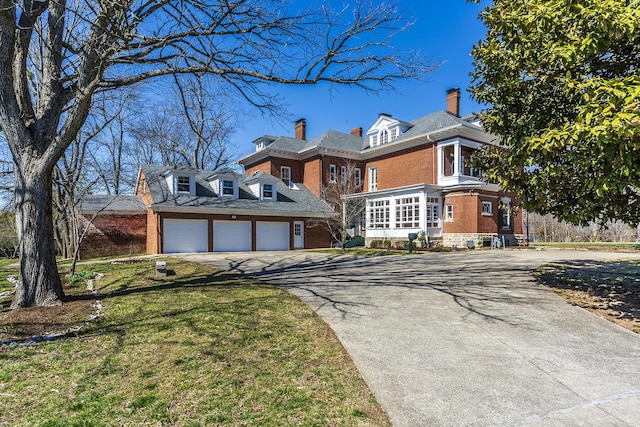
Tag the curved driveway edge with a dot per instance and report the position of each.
(468, 338)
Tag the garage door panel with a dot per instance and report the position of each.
(185, 235)
(272, 236)
(231, 236)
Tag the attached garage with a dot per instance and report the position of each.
(272, 236)
(185, 235)
(231, 236)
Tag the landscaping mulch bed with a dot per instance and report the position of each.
(39, 321)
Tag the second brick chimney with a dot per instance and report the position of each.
(357, 132)
(301, 129)
(453, 101)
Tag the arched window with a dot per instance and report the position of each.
(384, 137)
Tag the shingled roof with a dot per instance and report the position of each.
(290, 201)
(122, 203)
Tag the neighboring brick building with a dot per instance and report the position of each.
(413, 176)
(117, 225)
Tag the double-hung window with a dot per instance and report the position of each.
(267, 191)
(449, 212)
(184, 184)
(333, 173)
(357, 177)
(373, 179)
(227, 187)
(285, 175)
(343, 174)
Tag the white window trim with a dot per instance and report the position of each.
(379, 209)
(358, 177)
(432, 219)
(373, 179)
(448, 209)
(343, 174)
(178, 184)
(333, 173)
(286, 180)
(262, 191)
(488, 212)
(407, 212)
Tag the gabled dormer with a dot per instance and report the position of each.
(386, 129)
(181, 181)
(225, 183)
(263, 186)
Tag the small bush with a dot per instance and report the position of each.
(375, 244)
(399, 244)
(355, 242)
(80, 277)
(386, 244)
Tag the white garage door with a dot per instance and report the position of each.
(231, 236)
(272, 236)
(185, 235)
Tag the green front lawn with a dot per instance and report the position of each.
(198, 348)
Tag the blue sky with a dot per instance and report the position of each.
(445, 30)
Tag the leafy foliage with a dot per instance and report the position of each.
(561, 81)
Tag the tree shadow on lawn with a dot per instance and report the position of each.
(80, 306)
(609, 286)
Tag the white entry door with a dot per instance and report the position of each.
(272, 236)
(298, 234)
(185, 235)
(231, 236)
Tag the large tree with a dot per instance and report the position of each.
(56, 54)
(561, 80)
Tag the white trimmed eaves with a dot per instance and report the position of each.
(244, 212)
(395, 190)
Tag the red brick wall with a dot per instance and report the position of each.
(264, 166)
(153, 233)
(488, 223)
(114, 235)
(408, 167)
(465, 212)
(311, 175)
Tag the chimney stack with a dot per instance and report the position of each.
(357, 132)
(301, 129)
(453, 101)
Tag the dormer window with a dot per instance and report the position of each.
(384, 137)
(227, 187)
(184, 184)
(267, 191)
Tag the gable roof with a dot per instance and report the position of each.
(440, 122)
(123, 203)
(290, 202)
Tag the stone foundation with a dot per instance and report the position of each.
(479, 239)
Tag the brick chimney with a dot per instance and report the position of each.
(301, 129)
(357, 132)
(453, 101)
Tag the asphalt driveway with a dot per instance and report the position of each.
(466, 338)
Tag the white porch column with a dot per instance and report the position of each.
(456, 159)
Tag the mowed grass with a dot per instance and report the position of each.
(198, 348)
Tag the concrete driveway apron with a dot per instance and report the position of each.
(467, 338)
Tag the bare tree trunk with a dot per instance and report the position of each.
(40, 282)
